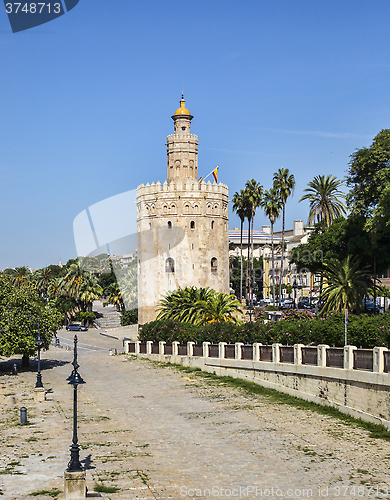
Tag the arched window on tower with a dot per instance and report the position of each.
(169, 265)
(192, 224)
(212, 224)
(214, 265)
(169, 224)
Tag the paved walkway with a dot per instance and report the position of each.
(158, 433)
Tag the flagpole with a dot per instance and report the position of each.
(208, 175)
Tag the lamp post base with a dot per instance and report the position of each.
(39, 394)
(39, 381)
(75, 488)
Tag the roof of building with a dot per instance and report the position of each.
(297, 237)
(258, 236)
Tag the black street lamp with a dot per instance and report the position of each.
(295, 287)
(75, 379)
(250, 313)
(39, 343)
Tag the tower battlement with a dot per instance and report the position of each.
(173, 137)
(189, 186)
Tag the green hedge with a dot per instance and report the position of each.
(170, 331)
(129, 317)
(295, 327)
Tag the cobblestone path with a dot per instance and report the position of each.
(159, 433)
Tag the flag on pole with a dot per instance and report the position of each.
(215, 174)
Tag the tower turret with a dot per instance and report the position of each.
(182, 147)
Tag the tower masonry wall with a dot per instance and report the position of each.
(186, 222)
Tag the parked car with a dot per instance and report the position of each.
(369, 307)
(287, 303)
(76, 328)
(304, 304)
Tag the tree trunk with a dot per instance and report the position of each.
(273, 264)
(248, 266)
(252, 283)
(282, 262)
(374, 283)
(242, 267)
(25, 360)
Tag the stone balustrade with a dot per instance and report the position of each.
(356, 381)
(347, 357)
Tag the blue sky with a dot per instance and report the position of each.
(86, 103)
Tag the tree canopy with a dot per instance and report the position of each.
(325, 199)
(369, 175)
(20, 308)
(344, 237)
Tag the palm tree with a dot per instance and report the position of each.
(127, 281)
(73, 279)
(324, 197)
(89, 291)
(239, 201)
(22, 274)
(254, 191)
(221, 307)
(272, 204)
(180, 305)
(198, 306)
(42, 279)
(115, 296)
(54, 288)
(346, 285)
(284, 182)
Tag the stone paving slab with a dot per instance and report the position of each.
(161, 433)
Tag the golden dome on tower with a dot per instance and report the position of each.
(182, 110)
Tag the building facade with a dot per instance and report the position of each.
(182, 225)
(305, 281)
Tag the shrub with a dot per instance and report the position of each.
(295, 327)
(129, 317)
(167, 331)
(170, 331)
(86, 317)
(369, 330)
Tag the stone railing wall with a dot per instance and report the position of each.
(356, 381)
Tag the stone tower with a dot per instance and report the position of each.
(182, 225)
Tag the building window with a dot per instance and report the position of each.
(187, 209)
(169, 224)
(192, 246)
(150, 225)
(169, 265)
(192, 224)
(214, 265)
(212, 224)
